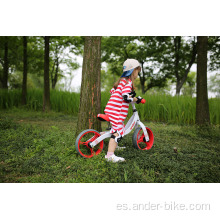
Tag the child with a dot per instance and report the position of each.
(117, 107)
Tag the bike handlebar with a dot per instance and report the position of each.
(143, 101)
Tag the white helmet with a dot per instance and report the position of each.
(130, 64)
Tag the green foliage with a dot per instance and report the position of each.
(158, 108)
(108, 78)
(61, 49)
(15, 80)
(214, 84)
(214, 52)
(162, 58)
(115, 50)
(189, 86)
(39, 147)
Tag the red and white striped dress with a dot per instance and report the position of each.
(117, 108)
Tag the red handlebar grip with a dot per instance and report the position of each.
(143, 101)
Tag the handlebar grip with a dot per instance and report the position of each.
(143, 101)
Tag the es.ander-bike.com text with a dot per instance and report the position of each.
(165, 206)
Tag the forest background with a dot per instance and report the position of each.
(166, 75)
(159, 56)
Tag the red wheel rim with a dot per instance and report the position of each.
(142, 145)
(83, 146)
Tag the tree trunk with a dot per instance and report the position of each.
(5, 68)
(56, 65)
(90, 97)
(54, 79)
(202, 105)
(142, 83)
(181, 81)
(24, 84)
(142, 79)
(178, 87)
(46, 98)
(177, 45)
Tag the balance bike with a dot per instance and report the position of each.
(90, 142)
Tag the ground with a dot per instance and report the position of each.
(40, 147)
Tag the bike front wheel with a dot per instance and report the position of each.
(139, 141)
(83, 141)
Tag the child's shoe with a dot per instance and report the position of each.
(114, 159)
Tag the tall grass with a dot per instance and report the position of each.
(159, 108)
(177, 109)
(60, 101)
(65, 101)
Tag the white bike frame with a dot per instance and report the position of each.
(134, 121)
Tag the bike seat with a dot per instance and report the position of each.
(103, 117)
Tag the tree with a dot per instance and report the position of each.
(149, 51)
(116, 50)
(214, 84)
(60, 50)
(5, 67)
(162, 58)
(214, 52)
(181, 77)
(12, 63)
(46, 98)
(54, 74)
(177, 58)
(188, 88)
(25, 69)
(202, 105)
(90, 97)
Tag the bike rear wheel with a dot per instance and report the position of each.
(83, 141)
(139, 141)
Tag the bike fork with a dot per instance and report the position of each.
(144, 130)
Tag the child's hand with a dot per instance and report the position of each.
(138, 99)
(128, 98)
(133, 94)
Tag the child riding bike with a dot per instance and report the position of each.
(117, 107)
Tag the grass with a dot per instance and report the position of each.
(158, 108)
(39, 147)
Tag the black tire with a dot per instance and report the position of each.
(84, 139)
(138, 139)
